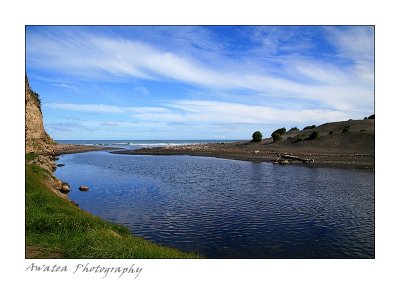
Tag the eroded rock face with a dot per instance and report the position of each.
(36, 138)
(34, 123)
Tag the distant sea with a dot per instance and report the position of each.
(136, 144)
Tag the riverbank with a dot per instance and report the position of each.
(56, 228)
(342, 144)
(72, 149)
(224, 208)
(268, 152)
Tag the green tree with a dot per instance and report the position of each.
(309, 127)
(280, 131)
(257, 136)
(313, 135)
(299, 138)
(276, 136)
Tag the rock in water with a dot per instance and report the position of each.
(83, 188)
(65, 188)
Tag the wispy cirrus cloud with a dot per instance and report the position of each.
(88, 108)
(206, 119)
(68, 126)
(102, 56)
(354, 43)
(209, 112)
(105, 109)
(63, 85)
(206, 77)
(222, 112)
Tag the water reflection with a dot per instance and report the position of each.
(229, 209)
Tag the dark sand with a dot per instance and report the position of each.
(71, 148)
(353, 149)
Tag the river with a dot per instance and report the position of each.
(229, 209)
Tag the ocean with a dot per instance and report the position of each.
(136, 144)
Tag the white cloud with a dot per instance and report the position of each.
(67, 126)
(144, 110)
(241, 113)
(101, 108)
(90, 55)
(356, 43)
(209, 112)
(347, 87)
(109, 123)
(63, 85)
(213, 112)
(205, 118)
(88, 108)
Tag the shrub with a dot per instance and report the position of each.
(330, 132)
(30, 156)
(313, 135)
(257, 136)
(293, 128)
(363, 130)
(372, 116)
(280, 131)
(37, 100)
(365, 117)
(309, 127)
(276, 136)
(346, 129)
(299, 138)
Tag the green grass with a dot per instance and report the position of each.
(56, 226)
(30, 156)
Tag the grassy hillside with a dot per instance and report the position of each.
(57, 228)
(359, 138)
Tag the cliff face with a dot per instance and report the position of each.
(36, 138)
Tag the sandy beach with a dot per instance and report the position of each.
(259, 153)
(333, 148)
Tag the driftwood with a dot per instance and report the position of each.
(291, 157)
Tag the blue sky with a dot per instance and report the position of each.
(198, 82)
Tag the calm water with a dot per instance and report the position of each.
(229, 209)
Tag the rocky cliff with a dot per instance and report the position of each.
(40, 148)
(36, 138)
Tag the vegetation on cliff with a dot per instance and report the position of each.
(34, 95)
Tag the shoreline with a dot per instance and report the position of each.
(243, 151)
(113, 240)
(63, 149)
(240, 151)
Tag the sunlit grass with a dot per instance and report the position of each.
(57, 225)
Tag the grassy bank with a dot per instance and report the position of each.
(57, 228)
